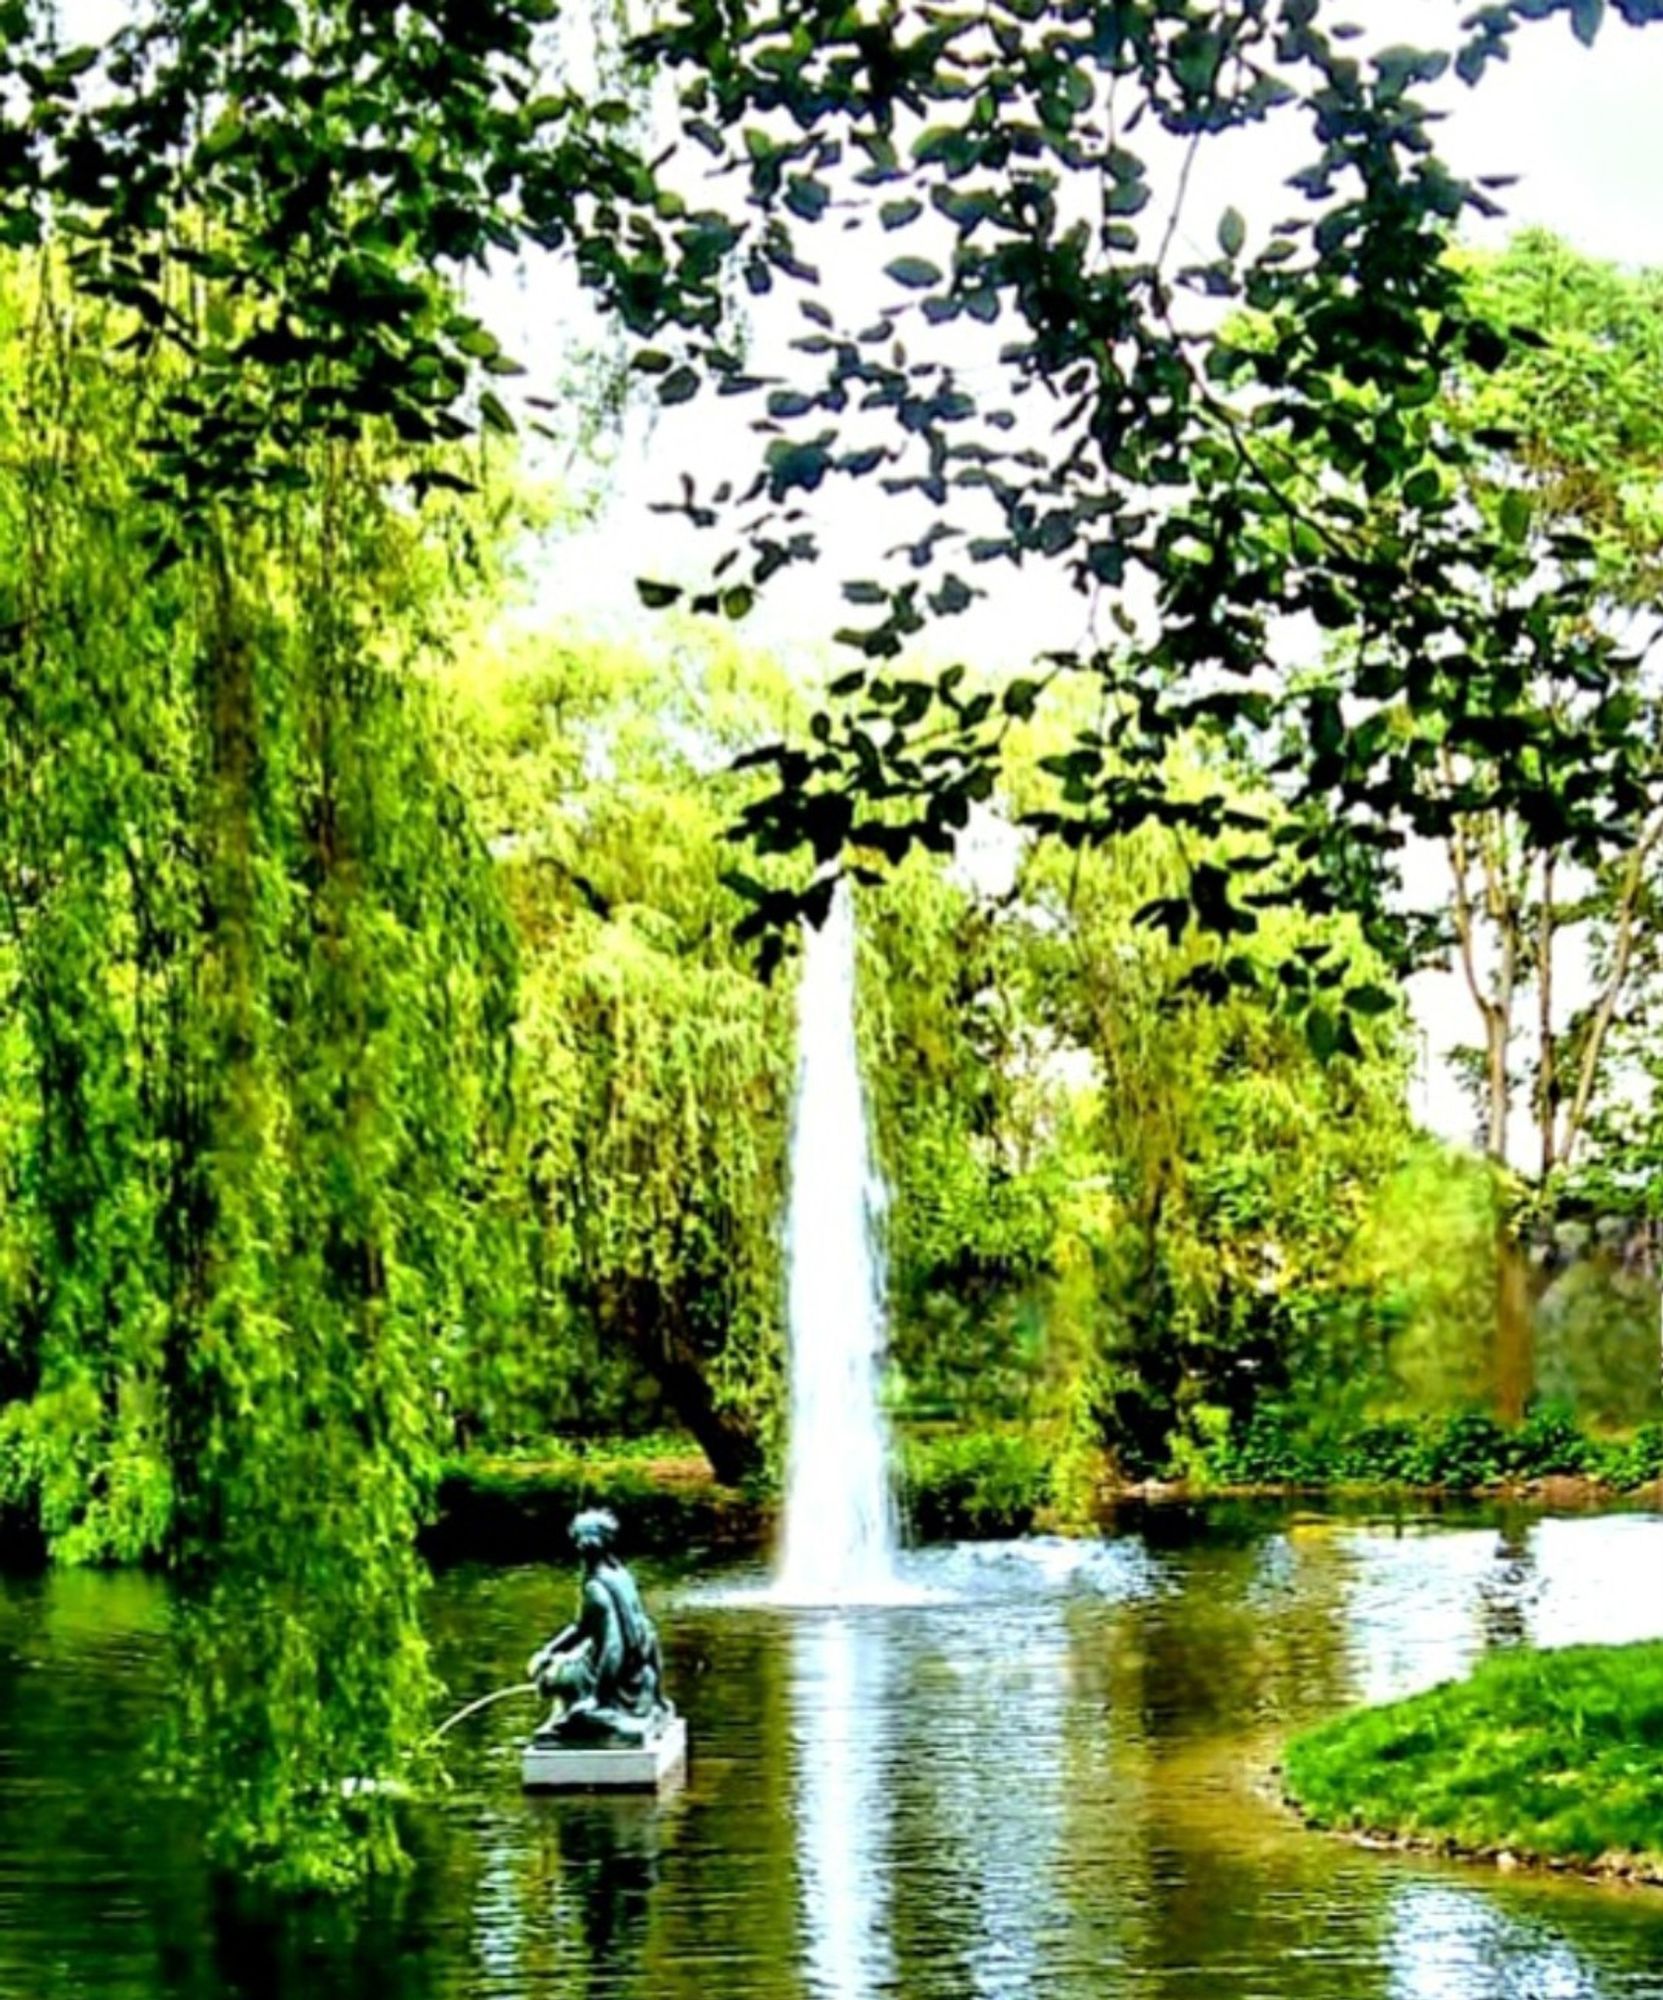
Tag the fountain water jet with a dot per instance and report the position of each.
(839, 1540)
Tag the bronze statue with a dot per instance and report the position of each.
(603, 1671)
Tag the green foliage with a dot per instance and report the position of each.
(341, 211)
(518, 1511)
(655, 1067)
(1421, 1278)
(322, 174)
(261, 984)
(1306, 453)
(1547, 1755)
(1293, 1445)
(969, 1136)
(1222, 1167)
(1640, 1461)
(977, 1484)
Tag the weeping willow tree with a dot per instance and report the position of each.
(260, 979)
(654, 1066)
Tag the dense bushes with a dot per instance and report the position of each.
(507, 1512)
(1280, 1447)
(976, 1484)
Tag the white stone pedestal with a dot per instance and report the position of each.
(549, 1767)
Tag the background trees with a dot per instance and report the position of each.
(654, 1065)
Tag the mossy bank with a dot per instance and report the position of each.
(1552, 1759)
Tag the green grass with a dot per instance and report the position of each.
(1554, 1757)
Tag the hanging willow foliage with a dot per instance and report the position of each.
(654, 1067)
(254, 1085)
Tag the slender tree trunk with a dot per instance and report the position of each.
(1514, 1373)
(1513, 1360)
(1513, 1357)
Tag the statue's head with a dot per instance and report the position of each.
(594, 1531)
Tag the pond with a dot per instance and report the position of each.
(1051, 1777)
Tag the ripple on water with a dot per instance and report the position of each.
(1046, 1775)
(942, 1577)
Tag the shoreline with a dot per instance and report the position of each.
(1629, 1871)
(508, 1510)
(517, 1509)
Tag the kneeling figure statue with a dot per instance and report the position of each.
(603, 1672)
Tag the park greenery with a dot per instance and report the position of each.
(1545, 1757)
(397, 1059)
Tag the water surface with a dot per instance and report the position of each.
(1050, 1778)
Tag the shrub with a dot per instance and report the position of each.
(1639, 1462)
(978, 1483)
(1549, 1443)
(1282, 1446)
(1470, 1450)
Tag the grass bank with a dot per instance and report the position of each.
(1551, 1758)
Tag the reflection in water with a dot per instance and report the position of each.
(566, 1887)
(844, 1695)
(1412, 1618)
(1598, 1588)
(1049, 1777)
(1508, 1592)
(611, 1849)
(1448, 1944)
(992, 1796)
(930, 1747)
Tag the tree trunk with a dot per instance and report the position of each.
(1514, 1370)
(634, 1312)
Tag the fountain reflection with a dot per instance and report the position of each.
(843, 1675)
(930, 1750)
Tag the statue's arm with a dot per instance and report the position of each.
(564, 1638)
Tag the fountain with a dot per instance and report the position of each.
(839, 1537)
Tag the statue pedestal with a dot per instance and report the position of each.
(593, 1767)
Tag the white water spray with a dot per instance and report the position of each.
(839, 1545)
